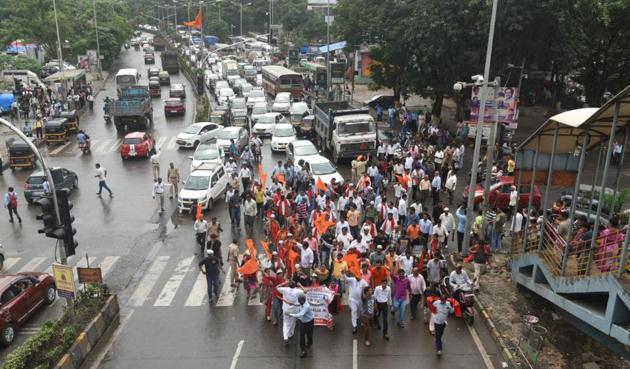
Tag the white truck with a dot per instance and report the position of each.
(229, 70)
(344, 131)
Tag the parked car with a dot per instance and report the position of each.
(207, 152)
(198, 133)
(137, 144)
(34, 184)
(177, 90)
(320, 167)
(265, 123)
(174, 106)
(203, 186)
(149, 58)
(21, 296)
(500, 194)
(283, 134)
(297, 150)
(238, 134)
(282, 103)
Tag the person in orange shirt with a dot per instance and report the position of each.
(391, 260)
(413, 233)
(379, 274)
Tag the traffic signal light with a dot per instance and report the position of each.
(51, 229)
(66, 220)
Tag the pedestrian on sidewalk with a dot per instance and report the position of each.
(211, 267)
(155, 163)
(39, 127)
(307, 324)
(481, 257)
(90, 100)
(101, 174)
(10, 202)
(441, 309)
(173, 179)
(158, 193)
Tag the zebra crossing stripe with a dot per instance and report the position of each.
(150, 278)
(59, 149)
(160, 141)
(32, 265)
(198, 292)
(107, 264)
(9, 263)
(226, 298)
(115, 145)
(100, 147)
(172, 143)
(170, 288)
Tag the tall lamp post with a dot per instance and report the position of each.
(98, 44)
(479, 132)
(328, 82)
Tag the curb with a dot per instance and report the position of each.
(494, 332)
(87, 340)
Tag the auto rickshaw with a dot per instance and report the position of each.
(56, 131)
(20, 155)
(220, 117)
(72, 123)
(154, 87)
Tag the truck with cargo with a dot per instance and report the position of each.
(159, 42)
(229, 70)
(132, 111)
(344, 131)
(170, 62)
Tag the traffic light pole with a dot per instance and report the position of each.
(51, 183)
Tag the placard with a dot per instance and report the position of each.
(90, 275)
(64, 280)
(319, 298)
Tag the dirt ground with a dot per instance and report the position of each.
(565, 347)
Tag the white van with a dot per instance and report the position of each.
(204, 185)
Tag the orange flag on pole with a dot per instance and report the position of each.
(195, 23)
(321, 185)
(251, 247)
(352, 260)
(265, 247)
(321, 224)
(250, 267)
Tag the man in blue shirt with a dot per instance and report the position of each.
(307, 324)
(436, 185)
(460, 213)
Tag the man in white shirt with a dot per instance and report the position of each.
(448, 222)
(101, 174)
(441, 232)
(355, 288)
(155, 163)
(342, 203)
(458, 279)
(402, 211)
(201, 229)
(250, 210)
(417, 285)
(451, 185)
(406, 261)
(345, 238)
(158, 193)
(290, 295)
(513, 201)
(442, 309)
(246, 177)
(306, 258)
(341, 224)
(383, 297)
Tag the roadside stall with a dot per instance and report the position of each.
(56, 131)
(63, 81)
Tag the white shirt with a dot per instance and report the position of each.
(245, 173)
(458, 280)
(406, 264)
(372, 171)
(408, 162)
(513, 198)
(306, 258)
(355, 288)
(417, 285)
(517, 222)
(383, 295)
(342, 203)
(291, 296)
(341, 225)
(155, 158)
(101, 173)
(443, 310)
(345, 240)
(441, 232)
(451, 182)
(201, 227)
(448, 221)
(158, 188)
(402, 207)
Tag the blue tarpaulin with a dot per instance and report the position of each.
(211, 40)
(333, 47)
(6, 99)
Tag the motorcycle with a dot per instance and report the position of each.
(466, 300)
(84, 146)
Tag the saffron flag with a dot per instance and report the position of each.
(281, 178)
(321, 224)
(250, 267)
(251, 247)
(265, 247)
(262, 175)
(352, 260)
(321, 185)
(195, 23)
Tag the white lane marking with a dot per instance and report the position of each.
(59, 149)
(9, 262)
(160, 141)
(32, 265)
(239, 346)
(198, 292)
(482, 350)
(172, 285)
(115, 145)
(226, 298)
(107, 264)
(146, 284)
(172, 144)
(355, 361)
(101, 146)
(108, 347)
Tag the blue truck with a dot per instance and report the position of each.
(132, 111)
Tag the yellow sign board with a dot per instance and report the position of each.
(64, 279)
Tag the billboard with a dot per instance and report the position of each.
(506, 105)
(337, 73)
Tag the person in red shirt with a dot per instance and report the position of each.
(379, 274)
(273, 304)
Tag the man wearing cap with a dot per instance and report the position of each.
(211, 267)
(232, 258)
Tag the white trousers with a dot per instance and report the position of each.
(288, 324)
(355, 309)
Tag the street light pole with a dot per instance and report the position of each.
(59, 52)
(478, 134)
(241, 20)
(98, 45)
(328, 81)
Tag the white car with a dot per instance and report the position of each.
(298, 111)
(208, 152)
(203, 186)
(225, 95)
(259, 110)
(238, 134)
(197, 133)
(265, 123)
(282, 103)
(256, 95)
(298, 150)
(283, 134)
(320, 167)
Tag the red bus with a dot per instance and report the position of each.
(276, 78)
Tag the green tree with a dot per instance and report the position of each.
(19, 62)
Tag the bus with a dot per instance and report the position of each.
(126, 77)
(276, 78)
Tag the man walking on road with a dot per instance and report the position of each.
(173, 179)
(10, 202)
(211, 267)
(383, 296)
(307, 323)
(201, 229)
(441, 309)
(290, 295)
(101, 174)
(232, 258)
(417, 285)
(158, 193)
(155, 163)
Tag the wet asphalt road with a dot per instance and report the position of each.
(150, 261)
